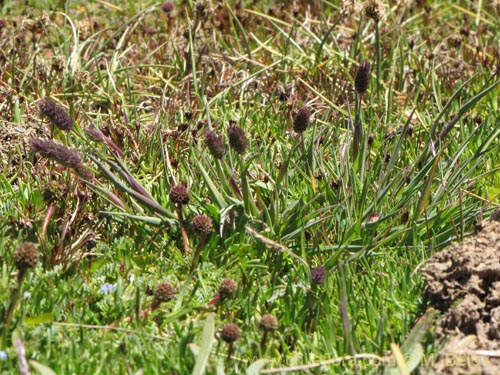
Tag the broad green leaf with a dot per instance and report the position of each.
(255, 367)
(42, 318)
(400, 359)
(41, 369)
(207, 339)
(415, 356)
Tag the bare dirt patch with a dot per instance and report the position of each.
(463, 282)
(14, 143)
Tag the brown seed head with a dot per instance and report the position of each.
(268, 323)
(54, 151)
(362, 79)
(167, 6)
(318, 275)
(374, 9)
(237, 139)
(164, 292)
(227, 288)
(230, 333)
(215, 144)
(495, 216)
(85, 173)
(56, 114)
(26, 256)
(179, 194)
(95, 134)
(301, 120)
(202, 224)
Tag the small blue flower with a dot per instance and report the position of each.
(26, 295)
(107, 288)
(3, 355)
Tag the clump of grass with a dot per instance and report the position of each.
(131, 71)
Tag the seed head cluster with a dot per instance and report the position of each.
(227, 288)
(62, 155)
(362, 79)
(56, 114)
(318, 275)
(179, 194)
(495, 216)
(57, 152)
(167, 6)
(26, 256)
(301, 120)
(215, 144)
(164, 292)
(268, 323)
(237, 139)
(95, 134)
(202, 224)
(374, 9)
(230, 333)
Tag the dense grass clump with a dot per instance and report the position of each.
(239, 187)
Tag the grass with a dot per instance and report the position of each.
(425, 170)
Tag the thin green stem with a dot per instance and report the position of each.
(379, 68)
(14, 298)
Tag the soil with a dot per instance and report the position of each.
(463, 282)
(14, 143)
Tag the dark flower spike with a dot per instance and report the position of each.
(301, 120)
(98, 136)
(54, 151)
(62, 155)
(362, 79)
(95, 134)
(82, 171)
(215, 144)
(237, 139)
(56, 114)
